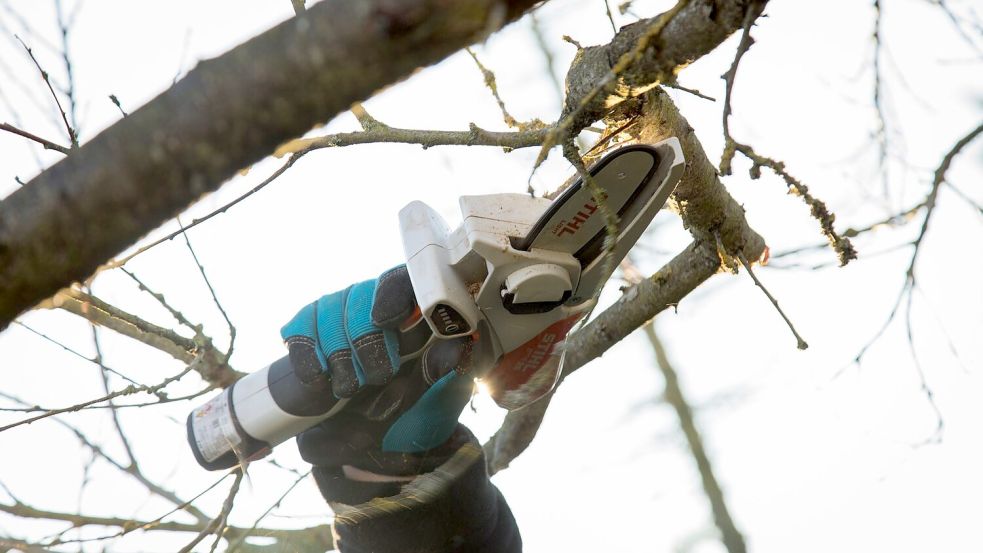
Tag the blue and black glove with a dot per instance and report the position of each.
(350, 344)
(398, 469)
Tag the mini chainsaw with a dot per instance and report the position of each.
(517, 274)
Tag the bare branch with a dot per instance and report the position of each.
(234, 545)
(642, 55)
(937, 181)
(104, 379)
(218, 523)
(73, 138)
(577, 116)
(126, 525)
(800, 343)
(129, 390)
(211, 290)
(607, 8)
(199, 351)
(729, 534)
(178, 316)
(881, 132)
(195, 222)
(75, 353)
(132, 469)
(844, 249)
(48, 145)
(218, 130)
(64, 27)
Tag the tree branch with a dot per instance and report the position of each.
(48, 145)
(142, 170)
(729, 533)
(211, 364)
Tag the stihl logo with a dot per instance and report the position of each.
(537, 355)
(573, 225)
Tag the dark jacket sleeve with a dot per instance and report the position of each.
(454, 508)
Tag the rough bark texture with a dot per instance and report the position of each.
(226, 114)
(701, 200)
(698, 28)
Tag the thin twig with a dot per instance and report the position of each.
(800, 343)
(223, 516)
(607, 8)
(131, 470)
(242, 537)
(178, 316)
(599, 196)
(937, 181)
(64, 27)
(126, 525)
(104, 379)
(162, 398)
(881, 133)
(692, 91)
(129, 390)
(844, 249)
(115, 101)
(44, 75)
(211, 290)
(958, 25)
(74, 352)
(48, 145)
(289, 163)
(936, 436)
(492, 84)
(384, 134)
(299, 6)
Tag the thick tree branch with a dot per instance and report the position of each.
(187, 141)
(694, 30)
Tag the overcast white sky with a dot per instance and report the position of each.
(814, 453)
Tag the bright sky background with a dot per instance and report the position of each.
(814, 453)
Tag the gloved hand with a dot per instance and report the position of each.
(368, 343)
(397, 437)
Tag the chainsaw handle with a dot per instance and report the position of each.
(440, 292)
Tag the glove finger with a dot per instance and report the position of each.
(432, 419)
(376, 351)
(333, 344)
(394, 300)
(301, 329)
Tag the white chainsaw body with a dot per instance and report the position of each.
(511, 270)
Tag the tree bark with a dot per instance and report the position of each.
(227, 113)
